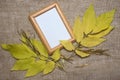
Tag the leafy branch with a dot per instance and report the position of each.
(90, 32)
(31, 55)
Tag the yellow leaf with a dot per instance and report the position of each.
(40, 47)
(91, 41)
(43, 57)
(19, 51)
(67, 45)
(89, 19)
(56, 55)
(103, 21)
(78, 30)
(49, 67)
(103, 33)
(23, 64)
(81, 54)
(23, 39)
(36, 68)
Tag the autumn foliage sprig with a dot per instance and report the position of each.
(90, 32)
(32, 56)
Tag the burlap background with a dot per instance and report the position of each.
(14, 16)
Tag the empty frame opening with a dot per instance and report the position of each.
(52, 27)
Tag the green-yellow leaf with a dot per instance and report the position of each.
(78, 30)
(49, 67)
(19, 51)
(81, 54)
(103, 21)
(103, 33)
(40, 47)
(23, 39)
(89, 19)
(36, 68)
(91, 41)
(56, 55)
(23, 64)
(43, 57)
(67, 45)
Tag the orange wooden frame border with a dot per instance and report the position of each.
(40, 33)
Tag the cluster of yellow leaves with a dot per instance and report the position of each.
(70, 47)
(29, 60)
(90, 31)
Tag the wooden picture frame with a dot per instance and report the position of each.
(51, 26)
